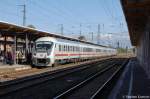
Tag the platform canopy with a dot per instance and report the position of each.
(9, 29)
(136, 14)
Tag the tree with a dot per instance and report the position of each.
(31, 26)
(82, 38)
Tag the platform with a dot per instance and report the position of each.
(133, 83)
(7, 68)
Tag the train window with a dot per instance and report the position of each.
(84, 49)
(59, 47)
(64, 48)
(76, 49)
(73, 48)
(68, 48)
(96, 50)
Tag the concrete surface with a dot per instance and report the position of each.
(133, 83)
(7, 68)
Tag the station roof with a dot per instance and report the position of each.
(136, 14)
(12, 29)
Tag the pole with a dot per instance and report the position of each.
(26, 46)
(62, 29)
(5, 40)
(24, 14)
(80, 29)
(98, 34)
(92, 36)
(14, 50)
(26, 42)
(118, 45)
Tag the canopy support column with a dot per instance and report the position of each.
(15, 46)
(27, 48)
(5, 40)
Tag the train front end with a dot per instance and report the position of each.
(42, 55)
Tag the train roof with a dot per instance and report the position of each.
(64, 41)
(8, 28)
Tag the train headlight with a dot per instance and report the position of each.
(48, 53)
(34, 54)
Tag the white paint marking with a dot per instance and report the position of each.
(22, 68)
(131, 82)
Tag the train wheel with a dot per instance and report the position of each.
(55, 64)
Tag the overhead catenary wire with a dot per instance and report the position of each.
(65, 12)
(44, 11)
(47, 10)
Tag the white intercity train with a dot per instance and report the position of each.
(49, 51)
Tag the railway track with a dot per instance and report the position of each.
(26, 82)
(95, 86)
(105, 89)
(10, 75)
(50, 84)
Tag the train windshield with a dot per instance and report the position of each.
(43, 46)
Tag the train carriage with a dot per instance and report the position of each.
(50, 50)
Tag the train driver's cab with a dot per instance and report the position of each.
(42, 53)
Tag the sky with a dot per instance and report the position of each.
(74, 16)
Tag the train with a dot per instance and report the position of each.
(50, 51)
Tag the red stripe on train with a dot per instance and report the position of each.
(72, 54)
